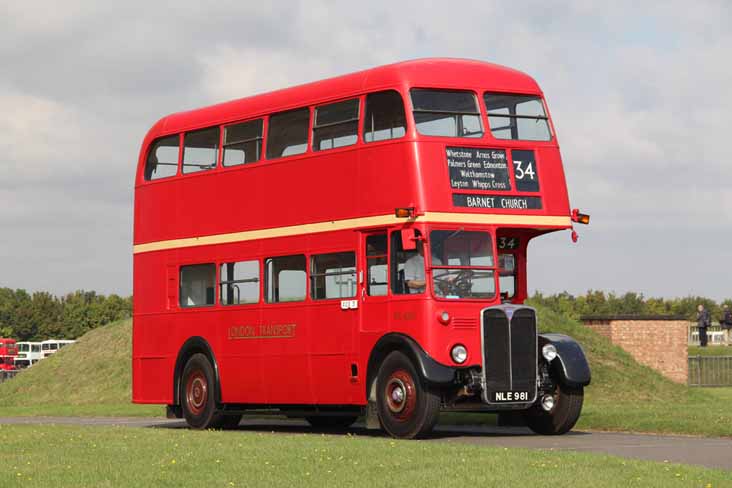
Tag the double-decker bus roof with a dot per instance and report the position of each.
(428, 73)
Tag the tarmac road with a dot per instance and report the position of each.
(708, 452)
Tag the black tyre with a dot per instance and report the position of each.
(197, 394)
(332, 422)
(407, 407)
(562, 417)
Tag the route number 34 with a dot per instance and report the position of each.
(521, 170)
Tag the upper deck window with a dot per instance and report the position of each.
(385, 118)
(200, 150)
(446, 113)
(162, 160)
(335, 125)
(288, 133)
(243, 143)
(517, 117)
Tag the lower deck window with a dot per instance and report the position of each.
(240, 283)
(333, 275)
(285, 279)
(197, 284)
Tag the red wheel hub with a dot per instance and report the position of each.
(196, 392)
(401, 395)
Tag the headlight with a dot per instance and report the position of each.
(549, 352)
(459, 353)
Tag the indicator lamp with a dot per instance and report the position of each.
(579, 217)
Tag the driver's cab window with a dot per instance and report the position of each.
(407, 266)
(376, 271)
(507, 275)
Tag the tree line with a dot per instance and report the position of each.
(596, 302)
(40, 315)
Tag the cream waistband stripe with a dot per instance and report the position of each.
(292, 230)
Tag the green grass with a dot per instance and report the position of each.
(91, 377)
(62, 456)
(710, 351)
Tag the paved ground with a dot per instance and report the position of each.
(713, 453)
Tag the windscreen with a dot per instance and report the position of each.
(461, 262)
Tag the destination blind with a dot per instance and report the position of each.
(503, 202)
(478, 168)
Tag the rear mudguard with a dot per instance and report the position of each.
(571, 362)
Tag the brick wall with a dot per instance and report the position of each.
(658, 342)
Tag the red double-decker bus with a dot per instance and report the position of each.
(353, 246)
(8, 353)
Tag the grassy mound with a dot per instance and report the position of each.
(616, 376)
(92, 376)
(627, 396)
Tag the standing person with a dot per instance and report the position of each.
(726, 322)
(703, 321)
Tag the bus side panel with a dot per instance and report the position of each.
(333, 327)
(240, 364)
(286, 367)
(152, 368)
(155, 337)
(387, 179)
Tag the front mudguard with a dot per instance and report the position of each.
(571, 362)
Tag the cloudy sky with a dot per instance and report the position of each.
(640, 92)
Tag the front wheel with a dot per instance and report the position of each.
(563, 415)
(407, 406)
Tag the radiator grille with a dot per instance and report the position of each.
(509, 351)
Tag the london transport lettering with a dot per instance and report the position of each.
(262, 331)
(478, 169)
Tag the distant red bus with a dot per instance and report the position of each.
(354, 246)
(8, 352)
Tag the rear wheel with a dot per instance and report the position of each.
(197, 394)
(332, 422)
(407, 406)
(563, 415)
